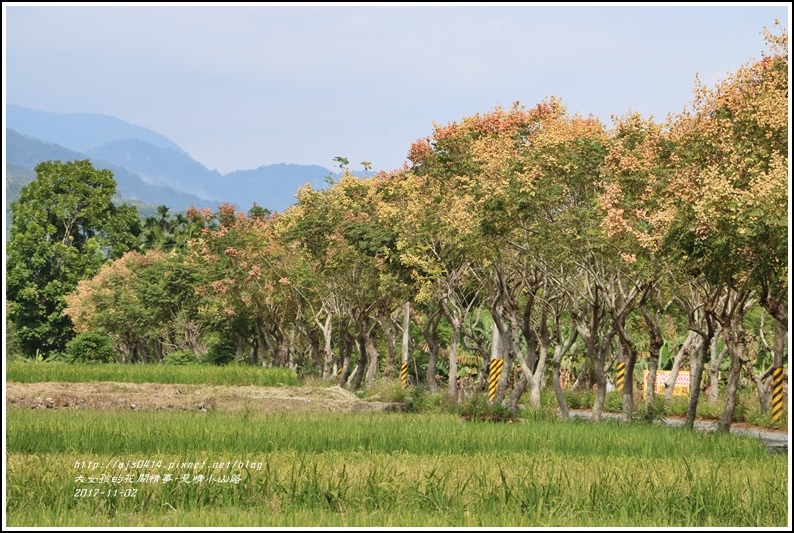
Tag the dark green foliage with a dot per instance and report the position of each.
(580, 399)
(220, 353)
(90, 347)
(417, 400)
(65, 226)
(478, 408)
(167, 231)
(613, 401)
(258, 211)
(179, 357)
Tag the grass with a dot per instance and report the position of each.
(27, 372)
(100, 432)
(380, 470)
(416, 399)
(423, 468)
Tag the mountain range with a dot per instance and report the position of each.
(149, 168)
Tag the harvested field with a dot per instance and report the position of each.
(158, 396)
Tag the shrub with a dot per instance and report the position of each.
(179, 357)
(708, 410)
(479, 408)
(677, 405)
(740, 412)
(220, 353)
(613, 402)
(389, 391)
(651, 413)
(579, 399)
(417, 400)
(89, 347)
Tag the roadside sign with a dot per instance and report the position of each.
(681, 387)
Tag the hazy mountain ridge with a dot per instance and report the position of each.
(23, 153)
(161, 166)
(80, 131)
(150, 167)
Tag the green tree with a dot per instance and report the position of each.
(724, 212)
(143, 302)
(65, 227)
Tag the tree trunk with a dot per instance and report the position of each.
(690, 345)
(521, 386)
(158, 351)
(502, 339)
(345, 348)
(559, 352)
(282, 349)
(584, 379)
(255, 351)
(628, 384)
(368, 354)
(539, 373)
(735, 340)
(354, 382)
(601, 384)
(328, 353)
(697, 376)
(453, 314)
(764, 381)
(430, 332)
(731, 319)
(406, 345)
(373, 361)
(387, 326)
(762, 386)
(453, 363)
(714, 370)
(588, 328)
(654, 349)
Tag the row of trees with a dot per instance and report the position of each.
(527, 235)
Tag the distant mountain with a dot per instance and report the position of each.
(80, 131)
(23, 153)
(149, 167)
(273, 186)
(16, 178)
(270, 186)
(162, 166)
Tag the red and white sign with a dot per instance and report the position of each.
(681, 387)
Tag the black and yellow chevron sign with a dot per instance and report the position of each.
(495, 372)
(339, 373)
(404, 375)
(619, 376)
(777, 394)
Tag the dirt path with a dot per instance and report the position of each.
(157, 396)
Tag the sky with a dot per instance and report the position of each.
(238, 86)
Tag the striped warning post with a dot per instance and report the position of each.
(495, 372)
(339, 373)
(404, 375)
(777, 394)
(619, 376)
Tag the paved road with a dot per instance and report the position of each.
(776, 441)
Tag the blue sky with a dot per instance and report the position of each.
(239, 86)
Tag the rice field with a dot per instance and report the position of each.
(247, 467)
(25, 372)
(97, 468)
